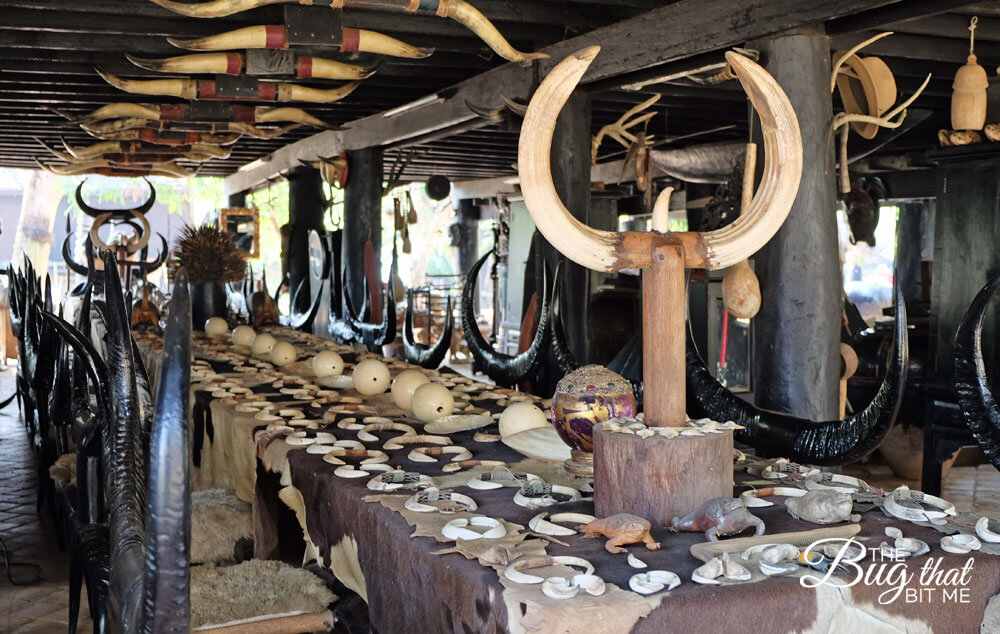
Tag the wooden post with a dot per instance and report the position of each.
(796, 361)
(362, 216)
(305, 212)
(33, 239)
(663, 358)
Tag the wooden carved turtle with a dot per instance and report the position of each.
(623, 528)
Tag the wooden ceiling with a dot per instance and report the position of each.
(49, 49)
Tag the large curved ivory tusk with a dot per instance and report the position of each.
(294, 92)
(611, 251)
(216, 63)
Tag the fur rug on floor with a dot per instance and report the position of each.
(258, 587)
(218, 520)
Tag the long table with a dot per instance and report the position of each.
(414, 578)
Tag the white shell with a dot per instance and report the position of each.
(707, 573)
(960, 543)
(337, 381)
(635, 562)
(371, 377)
(559, 588)
(591, 584)
(262, 344)
(540, 525)
(521, 417)
(654, 581)
(432, 400)
(243, 335)
(327, 363)
(403, 386)
(282, 353)
(216, 327)
(984, 532)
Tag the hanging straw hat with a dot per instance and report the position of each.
(867, 88)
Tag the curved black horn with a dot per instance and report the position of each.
(560, 349)
(146, 206)
(374, 336)
(503, 368)
(84, 207)
(67, 256)
(168, 508)
(820, 443)
(155, 263)
(299, 320)
(975, 398)
(426, 356)
(117, 214)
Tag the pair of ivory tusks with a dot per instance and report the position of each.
(610, 251)
(151, 112)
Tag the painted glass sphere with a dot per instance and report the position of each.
(403, 386)
(371, 377)
(585, 397)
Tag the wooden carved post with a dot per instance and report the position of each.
(660, 477)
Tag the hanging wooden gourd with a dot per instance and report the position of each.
(406, 239)
(968, 97)
(740, 286)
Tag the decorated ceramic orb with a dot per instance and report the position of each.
(243, 336)
(432, 400)
(262, 344)
(282, 353)
(371, 377)
(585, 397)
(519, 417)
(404, 385)
(216, 327)
(327, 363)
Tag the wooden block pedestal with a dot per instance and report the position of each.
(659, 478)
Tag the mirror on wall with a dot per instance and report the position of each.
(242, 225)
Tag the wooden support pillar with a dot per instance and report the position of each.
(571, 176)
(362, 216)
(33, 237)
(909, 248)
(238, 199)
(468, 235)
(796, 364)
(305, 212)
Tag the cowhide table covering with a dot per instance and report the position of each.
(416, 580)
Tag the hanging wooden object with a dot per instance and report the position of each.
(740, 287)
(659, 477)
(968, 97)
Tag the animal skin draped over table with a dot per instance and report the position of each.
(365, 537)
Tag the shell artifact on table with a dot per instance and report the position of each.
(262, 344)
(583, 398)
(282, 353)
(621, 529)
(653, 581)
(327, 363)
(432, 400)
(984, 532)
(371, 377)
(722, 566)
(719, 517)
(520, 417)
(823, 506)
(960, 543)
(403, 386)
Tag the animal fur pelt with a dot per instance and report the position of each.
(254, 588)
(218, 520)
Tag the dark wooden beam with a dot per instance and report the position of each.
(892, 15)
(628, 46)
